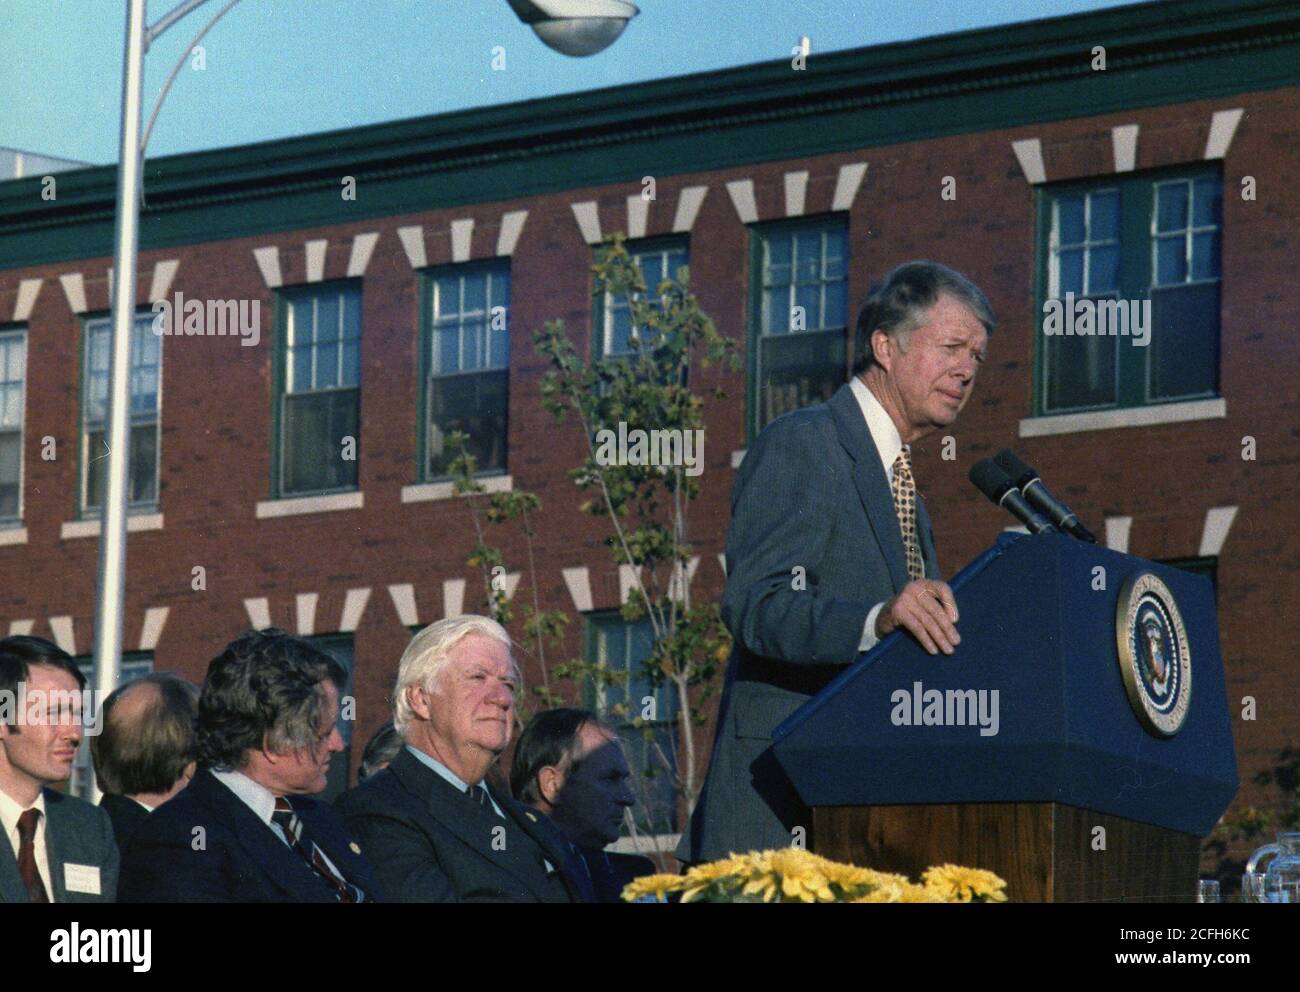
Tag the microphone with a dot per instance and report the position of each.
(1029, 483)
(998, 487)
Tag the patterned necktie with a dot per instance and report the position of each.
(904, 490)
(296, 834)
(27, 855)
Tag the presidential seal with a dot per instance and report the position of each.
(1153, 656)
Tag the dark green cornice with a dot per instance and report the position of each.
(999, 77)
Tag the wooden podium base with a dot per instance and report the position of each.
(1047, 852)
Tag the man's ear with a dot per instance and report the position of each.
(882, 347)
(550, 780)
(418, 700)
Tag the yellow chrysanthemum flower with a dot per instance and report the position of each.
(958, 884)
(652, 885)
(919, 893)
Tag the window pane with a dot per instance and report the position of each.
(1070, 267)
(1171, 260)
(1103, 270)
(11, 406)
(16, 365)
(1069, 220)
(620, 331)
(776, 311)
(1103, 220)
(476, 405)
(10, 458)
(327, 358)
(475, 294)
(798, 369)
(1080, 372)
(1206, 202)
(96, 466)
(315, 425)
(351, 362)
(1184, 349)
(1171, 206)
(652, 271)
(836, 305)
(809, 298)
(499, 357)
(777, 249)
(143, 486)
(351, 313)
(1205, 255)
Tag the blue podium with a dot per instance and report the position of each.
(1077, 743)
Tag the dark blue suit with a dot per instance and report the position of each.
(206, 845)
(812, 494)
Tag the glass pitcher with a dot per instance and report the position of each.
(1280, 881)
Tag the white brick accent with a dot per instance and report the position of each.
(578, 581)
(74, 288)
(155, 617)
(847, 183)
(315, 253)
(512, 225)
(1124, 143)
(305, 613)
(64, 637)
(1029, 153)
(588, 218)
(453, 597)
(268, 263)
(796, 190)
(1117, 529)
(164, 273)
(741, 192)
(354, 605)
(689, 201)
(259, 612)
(462, 238)
(638, 215)
(1223, 127)
(627, 581)
(1218, 521)
(412, 239)
(28, 290)
(403, 596)
(363, 246)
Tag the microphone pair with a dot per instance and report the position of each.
(1015, 486)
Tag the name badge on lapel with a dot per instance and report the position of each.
(82, 878)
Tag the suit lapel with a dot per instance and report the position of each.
(60, 843)
(870, 480)
(572, 873)
(475, 825)
(275, 858)
(926, 536)
(11, 883)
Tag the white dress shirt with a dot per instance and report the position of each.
(10, 811)
(261, 801)
(888, 445)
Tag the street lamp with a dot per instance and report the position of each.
(576, 27)
(573, 27)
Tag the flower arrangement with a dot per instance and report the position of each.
(794, 875)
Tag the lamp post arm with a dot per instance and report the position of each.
(162, 25)
(155, 30)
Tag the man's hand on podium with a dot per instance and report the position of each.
(927, 610)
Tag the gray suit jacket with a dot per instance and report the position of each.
(76, 833)
(811, 494)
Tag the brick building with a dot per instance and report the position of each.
(1146, 152)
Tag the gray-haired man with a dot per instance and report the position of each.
(828, 489)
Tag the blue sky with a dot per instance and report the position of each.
(277, 68)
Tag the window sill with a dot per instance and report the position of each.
(13, 535)
(91, 528)
(292, 506)
(424, 491)
(1137, 416)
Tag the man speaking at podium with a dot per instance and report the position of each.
(830, 547)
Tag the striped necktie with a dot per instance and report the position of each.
(904, 491)
(296, 834)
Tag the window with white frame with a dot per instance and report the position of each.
(658, 260)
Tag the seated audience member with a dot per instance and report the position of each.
(433, 830)
(380, 750)
(244, 830)
(145, 750)
(570, 766)
(56, 848)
